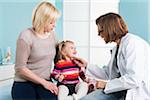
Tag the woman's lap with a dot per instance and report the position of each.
(31, 91)
(45, 94)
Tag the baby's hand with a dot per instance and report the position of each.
(91, 80)
(61, 77)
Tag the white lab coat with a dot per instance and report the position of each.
(133, 62)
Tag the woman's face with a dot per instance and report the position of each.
(69, 50)
(50, 27)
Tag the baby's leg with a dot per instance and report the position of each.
(63, 93)
(81, 90)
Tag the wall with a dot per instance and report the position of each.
(135, 13)
(81, 28)
(1, 26)
(59, 26)
(149, 20)
(16, 16)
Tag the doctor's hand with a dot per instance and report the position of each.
(79, 61)
(100, 84)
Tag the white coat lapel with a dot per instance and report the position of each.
(112, 60)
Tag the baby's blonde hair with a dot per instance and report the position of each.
(59, 55)
(44, 14)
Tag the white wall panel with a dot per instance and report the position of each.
(76, 11)
(77, 31)
(100, 56)
(100, 8)
(79, 26)
(82, 52)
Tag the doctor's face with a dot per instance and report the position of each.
(102, 34)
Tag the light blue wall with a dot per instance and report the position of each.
(59, 29)
(135, 13)
(1, 26)
(149, 20)
(16, 16)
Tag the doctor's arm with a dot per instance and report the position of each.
(101, 72)
(97, 72)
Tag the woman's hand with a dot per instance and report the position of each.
(50, 86)
(100, 84)
(79, 61)
(29, 75)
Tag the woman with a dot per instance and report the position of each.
(129, 67)
(34, 55)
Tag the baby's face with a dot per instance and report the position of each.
(70, 50)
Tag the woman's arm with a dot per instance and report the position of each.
(22, 55)
(29, 75)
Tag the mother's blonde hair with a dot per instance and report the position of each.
(44, 14)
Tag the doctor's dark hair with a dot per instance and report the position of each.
(59, 48)
(111, 26)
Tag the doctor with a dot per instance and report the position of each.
(128, 72)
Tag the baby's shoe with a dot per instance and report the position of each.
(75, 97)
(70, 98)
